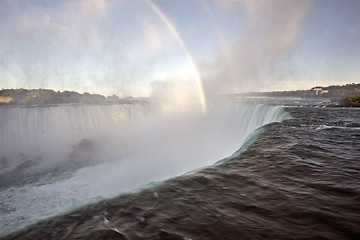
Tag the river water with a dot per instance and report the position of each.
(300, 179)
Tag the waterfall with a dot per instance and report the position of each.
(55, 156)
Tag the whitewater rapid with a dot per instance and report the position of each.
(56, 156)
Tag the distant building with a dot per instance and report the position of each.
(5, 99)
(319, 90)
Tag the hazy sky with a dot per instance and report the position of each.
(134, 47)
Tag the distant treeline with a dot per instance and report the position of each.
(334, 91)
(46, 96)
(350, 101)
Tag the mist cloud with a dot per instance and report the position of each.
(272, 28)
(40, 44)
(117, 47)
(87, 45)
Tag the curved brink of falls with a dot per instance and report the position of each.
(55, 156)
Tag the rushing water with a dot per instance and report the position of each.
(299, 180)
(55, 156)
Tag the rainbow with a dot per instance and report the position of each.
(195, 71)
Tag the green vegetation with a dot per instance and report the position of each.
(350, 101)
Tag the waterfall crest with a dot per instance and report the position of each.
(55, 156)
